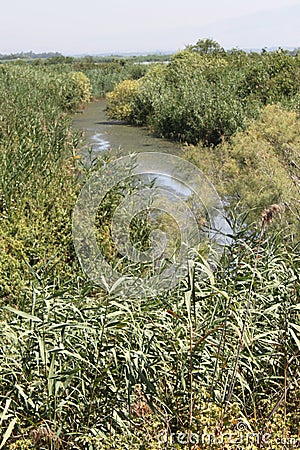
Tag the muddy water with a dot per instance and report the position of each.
(102, 134)
(105, 135)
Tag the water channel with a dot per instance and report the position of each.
(103, 134)
(182, 182)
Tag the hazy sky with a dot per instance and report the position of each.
(91, 26)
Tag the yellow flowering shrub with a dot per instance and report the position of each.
(81, 85)
(121, 100)
(74, 89)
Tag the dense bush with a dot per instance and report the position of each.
(121, 100)
(74, 90)
(260, 166)
(193, 98)
(271, 77)
(209, 97)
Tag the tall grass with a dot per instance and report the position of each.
(37, 182)
(205, 356)
(105, 76)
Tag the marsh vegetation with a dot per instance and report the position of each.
(83, 369)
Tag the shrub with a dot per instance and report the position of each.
(75, 89)
(193, 98)
(120, 102)
(271, 77)
(208, 97)
(259, 166)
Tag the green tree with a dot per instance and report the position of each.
(206, 46)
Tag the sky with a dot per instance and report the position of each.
(116, 26)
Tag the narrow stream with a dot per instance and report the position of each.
(103, 134)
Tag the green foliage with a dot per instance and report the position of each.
(105, 76)
(271, 77)
(208, 95)
(149, 364)
(193, 98)
(37, 182)
(206, 46)
(75, 89)
(260, 166)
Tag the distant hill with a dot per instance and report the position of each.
(30, 55)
